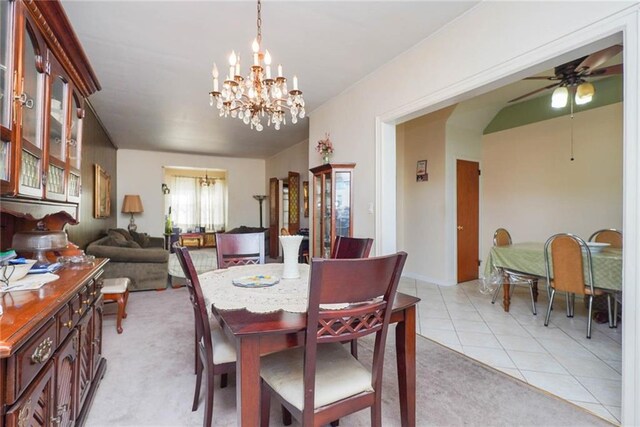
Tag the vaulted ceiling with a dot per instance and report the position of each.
(154, 60)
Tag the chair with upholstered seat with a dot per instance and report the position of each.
(215, 354)
(322, 381)
(351, 247)
(239, 249)
(502, 238)
(610, 235)
(565, 269)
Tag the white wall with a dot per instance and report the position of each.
(421, 221)
(294, 159)
(531, 188)
(140, 172)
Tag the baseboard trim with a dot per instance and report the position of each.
(422, 278)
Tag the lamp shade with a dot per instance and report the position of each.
(132, 204)
(584, 93)
(560, 97)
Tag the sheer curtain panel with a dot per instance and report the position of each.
(194, 206)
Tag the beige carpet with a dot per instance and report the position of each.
(150, 382)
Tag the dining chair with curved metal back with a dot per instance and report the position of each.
(564, 258)
(322, 381)
(614, 238)
(217, 356)
(608, 235)
(239, 249)
(501, 237)
(351, 247)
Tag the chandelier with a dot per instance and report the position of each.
(257, 95)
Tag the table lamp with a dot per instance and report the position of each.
(132, 205)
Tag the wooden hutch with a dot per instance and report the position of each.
(50, 339)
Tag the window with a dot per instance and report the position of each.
(194, 205)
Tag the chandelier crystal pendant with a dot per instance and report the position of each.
(258, 94)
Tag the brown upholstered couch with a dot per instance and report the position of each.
(134, 255)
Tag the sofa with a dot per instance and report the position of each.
(137, 256)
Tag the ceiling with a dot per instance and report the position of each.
(154, 59)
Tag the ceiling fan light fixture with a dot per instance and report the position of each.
(584, 93)
(560, 97)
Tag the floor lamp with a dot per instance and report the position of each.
(260, 199)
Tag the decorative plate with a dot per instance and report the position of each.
(255, 281)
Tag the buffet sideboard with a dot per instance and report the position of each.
(51, 350)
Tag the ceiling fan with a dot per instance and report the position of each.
(574, 74)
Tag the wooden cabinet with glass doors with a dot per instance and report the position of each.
(44, 78)
(332, 205)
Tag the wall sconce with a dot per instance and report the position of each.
(165, 189)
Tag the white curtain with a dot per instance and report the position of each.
(195, 206)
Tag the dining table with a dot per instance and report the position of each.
(528, 258)
(263, 320)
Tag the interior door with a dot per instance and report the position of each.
(468, 196)
(274, 220)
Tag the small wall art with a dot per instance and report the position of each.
(421, 171)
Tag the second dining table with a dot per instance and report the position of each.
(528, 258)
(269, 319)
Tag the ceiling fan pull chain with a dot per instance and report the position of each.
(571, 128)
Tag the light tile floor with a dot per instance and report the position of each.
(558, 358)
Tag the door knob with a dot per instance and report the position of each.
(460, 228)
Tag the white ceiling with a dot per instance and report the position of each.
(154, 58)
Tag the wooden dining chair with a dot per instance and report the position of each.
(321, 381)
(565, 269)
(351, 247)
(502, 238)
(610, 235)
(215, 354)
(239, 249)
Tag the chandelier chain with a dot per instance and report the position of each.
(259, 22)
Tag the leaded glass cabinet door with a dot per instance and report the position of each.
(74, 145)
(332, 205)
(31, 94)
(6, 94)
(57, 131)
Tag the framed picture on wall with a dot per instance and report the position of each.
(421, 171)
(102, 193)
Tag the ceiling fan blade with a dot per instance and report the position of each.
(534, 92)
(598, 58)
(607, 71)
(542, 78)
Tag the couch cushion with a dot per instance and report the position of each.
(119, 242)
(121, 231)
(140, 238)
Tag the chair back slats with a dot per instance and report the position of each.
(197, 299)
(351, 247)
(370, 282)
(501, 237)
(611, 236)
(348, 324)
(239, 249)
(564, 258)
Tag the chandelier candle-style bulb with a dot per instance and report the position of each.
(215, 73)
(295, 82)
(267, 61)
(279, 70)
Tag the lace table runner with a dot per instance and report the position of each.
(288, 294)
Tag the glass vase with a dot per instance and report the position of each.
(325, 159)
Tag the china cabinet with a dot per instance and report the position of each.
(332, 205)
(44, 78)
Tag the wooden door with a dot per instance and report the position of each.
(294, 202)
(85, 362)
(35, 407)
(468, 195)
(274, 220)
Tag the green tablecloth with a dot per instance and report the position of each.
(529, 258)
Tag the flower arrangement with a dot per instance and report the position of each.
(324, 146)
